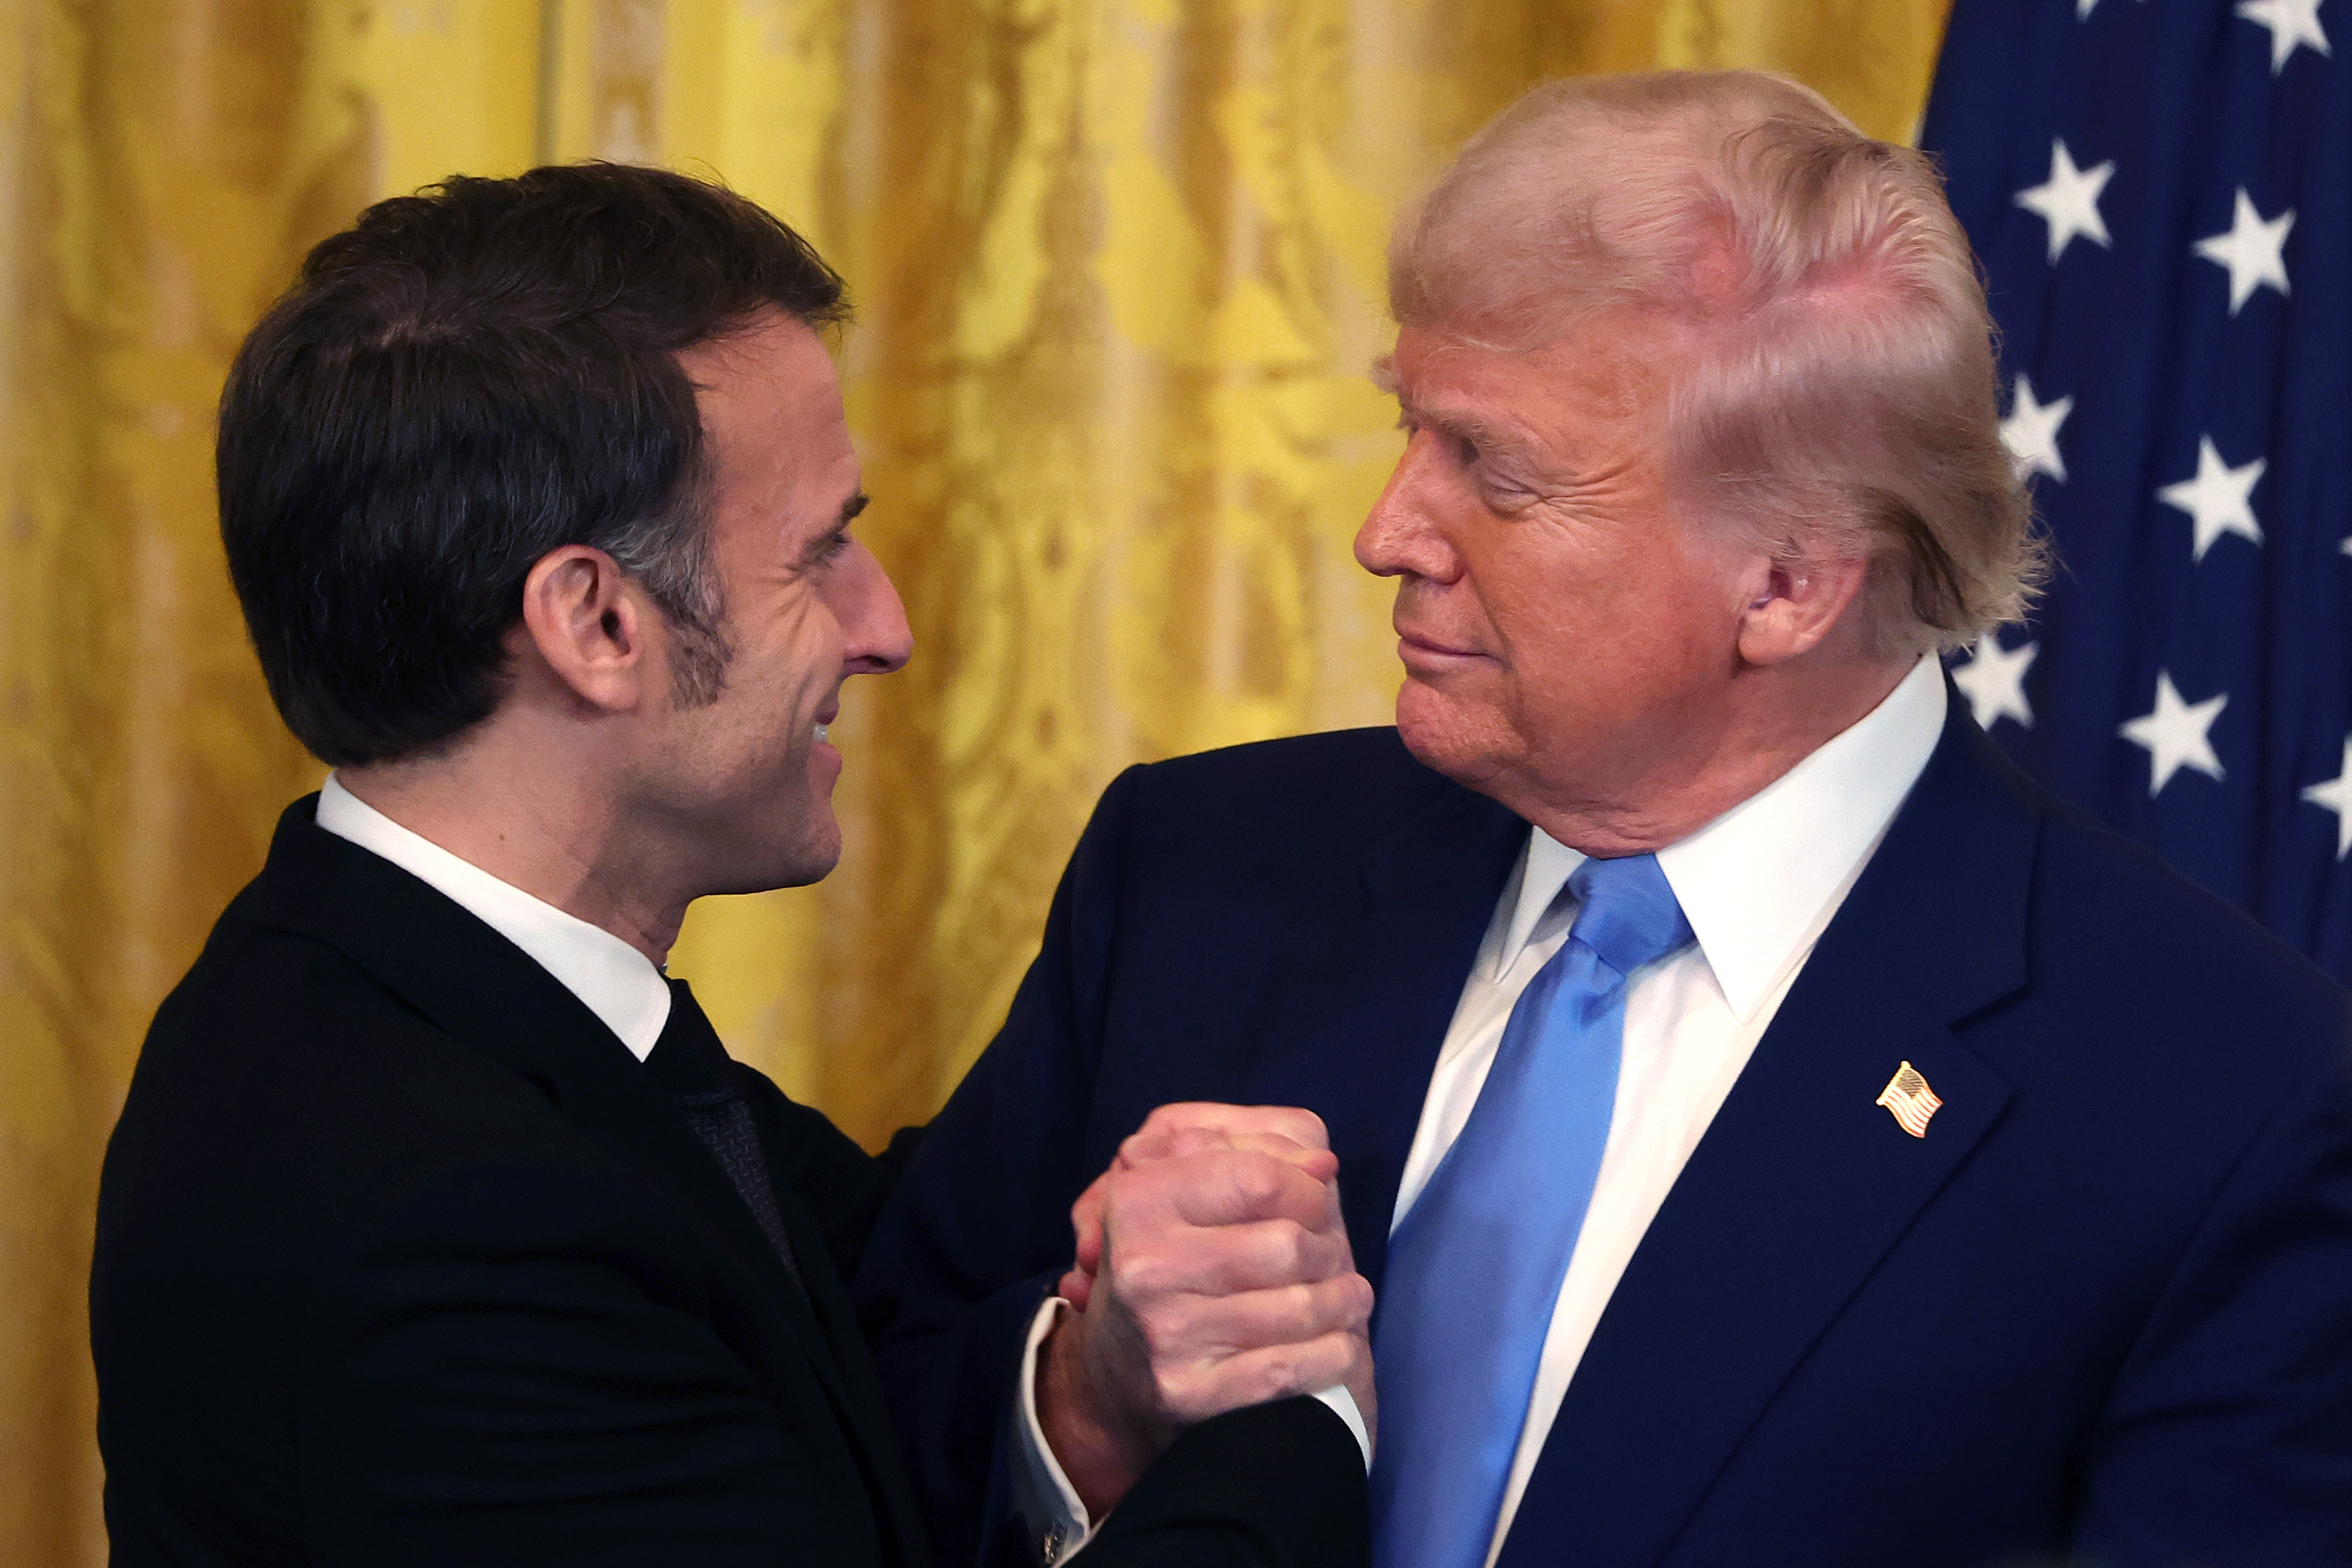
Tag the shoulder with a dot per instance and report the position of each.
(1983, 857)
(2109, 914)
(1376, 754)
(284, 1103)
(1305, 793)
(2191, 1030)
(272, 1025)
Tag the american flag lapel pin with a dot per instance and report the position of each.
(1909, 1099)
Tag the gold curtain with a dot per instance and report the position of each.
(1119, 270)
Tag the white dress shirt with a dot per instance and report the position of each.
(617, 982)
(1758, 884)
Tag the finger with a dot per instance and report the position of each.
(1230, 1187)
(1087, 1222)
(1224, 1261)
(1301, 1127)
(1076, 1288)
(1282, 1315)
(1199, 1390)
(1212, 1328)
(1167, 1144)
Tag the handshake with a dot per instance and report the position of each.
(1212, 1271)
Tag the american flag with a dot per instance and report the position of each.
(1914, 1105)
(2161, 193)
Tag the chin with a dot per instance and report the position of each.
(1464, 746)
(806, 852)
(810, 861)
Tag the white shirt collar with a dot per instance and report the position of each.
(1754, 882)
(618, 984)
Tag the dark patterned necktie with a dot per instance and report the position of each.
(702, 1079)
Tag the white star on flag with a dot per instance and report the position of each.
(2030, 434)
(2292, 23)
(2068, 201)
(2217, 499)
(2254, 251)
(2335, 794)
(1993, 680)
(2174, 733)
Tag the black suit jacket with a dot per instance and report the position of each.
(2102, 1311)
(403, 1258)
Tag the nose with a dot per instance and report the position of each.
(1400, 537)
(874, 636)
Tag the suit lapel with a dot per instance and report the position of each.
(1801, 1184)
(857, 1390)
(1428, 897)
(480, 989)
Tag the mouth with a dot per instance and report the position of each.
(1417, 649)
(824, 732)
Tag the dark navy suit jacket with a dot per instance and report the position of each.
(403, 1260)
(2102, 1311)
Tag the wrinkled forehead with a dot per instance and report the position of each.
(1625, 357)
(1601, 393)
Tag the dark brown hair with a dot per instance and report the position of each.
(464, 379)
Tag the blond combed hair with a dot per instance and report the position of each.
(1839, 399)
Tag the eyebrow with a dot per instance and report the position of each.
(818, 547)
(1483, 434)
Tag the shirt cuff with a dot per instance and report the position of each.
(1343, 1405)
(1049, 1504)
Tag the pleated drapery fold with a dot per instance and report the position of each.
(1117, 265)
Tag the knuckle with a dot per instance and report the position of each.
(1289, 1250)
(1152, 1336)
(1185, 1392)
(1303, 1250)
(1308, 1128)
(1145, 1276)
(1258, 1179)
(1280, 1376)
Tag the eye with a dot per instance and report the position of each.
(826, 549)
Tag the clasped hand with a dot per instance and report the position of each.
(1212, 1272)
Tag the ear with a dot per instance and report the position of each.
(1796, 601)
(587, 623)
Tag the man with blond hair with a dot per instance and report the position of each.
(1777, 1131)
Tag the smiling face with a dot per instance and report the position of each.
(1569, 640)
(742, 785)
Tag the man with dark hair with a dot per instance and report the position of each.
(438, 1226)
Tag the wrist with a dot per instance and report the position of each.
(1102, 1453)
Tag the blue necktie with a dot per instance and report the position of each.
(1476, 1266)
